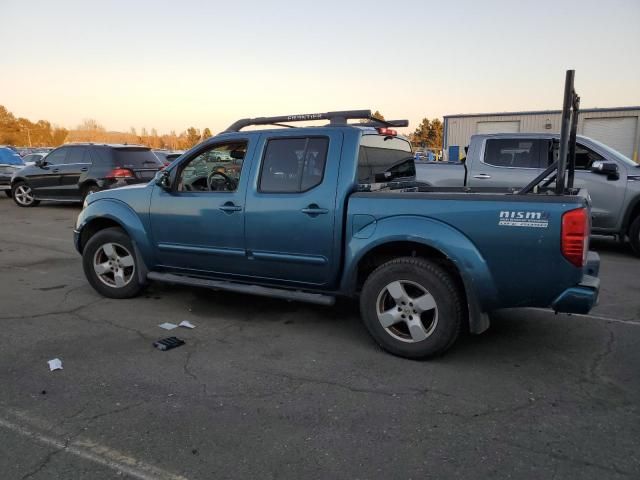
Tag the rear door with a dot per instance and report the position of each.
(509, 162)
(45, 181)
(76, 163)
(290, 208)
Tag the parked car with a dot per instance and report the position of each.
(10, 163)
(32, 158)
(281, 213)
(71, 172)
(166, 156)
(514, 159)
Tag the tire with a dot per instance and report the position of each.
(634, 235)
(8, 193)
(111, 252)
(23, 195)
(414, 329)
(88, 190)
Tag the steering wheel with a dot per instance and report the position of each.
(229, 182)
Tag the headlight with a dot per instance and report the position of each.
(85, 203)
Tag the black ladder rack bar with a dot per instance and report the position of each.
(335, 118)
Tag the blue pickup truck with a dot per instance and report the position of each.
(299, 214)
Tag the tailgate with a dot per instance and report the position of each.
(140, 160)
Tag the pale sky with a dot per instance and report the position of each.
(171, 65)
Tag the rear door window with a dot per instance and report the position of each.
(75, 155)
(517, 152)
(293, 165)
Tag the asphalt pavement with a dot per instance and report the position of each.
(269, 389)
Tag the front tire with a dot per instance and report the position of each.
(412, 307)
(23, 195)
(110, 264)
(634, 236)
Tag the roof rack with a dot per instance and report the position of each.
(335, 118)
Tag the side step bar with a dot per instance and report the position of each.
(294, 295)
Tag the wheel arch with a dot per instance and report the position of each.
(633, 211)
(429, 239)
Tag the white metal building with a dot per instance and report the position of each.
(617, 127)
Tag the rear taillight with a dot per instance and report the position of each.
(120, 173)
(389, 132)
(575, 236)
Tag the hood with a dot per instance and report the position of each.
(124, 193)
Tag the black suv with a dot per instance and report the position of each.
(71, 172)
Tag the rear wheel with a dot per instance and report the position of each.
(89, 189)
(634, 235)
(23, 195)
(412, 307)
(110, 264)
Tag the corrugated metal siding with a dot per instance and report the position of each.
(459, 129)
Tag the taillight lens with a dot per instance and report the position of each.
(389, 132)
(120, 173)
(575, 236)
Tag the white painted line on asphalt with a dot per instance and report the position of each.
(96, 453)
(595, 317)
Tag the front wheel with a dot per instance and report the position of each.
(412, 307)
(110, 264)
(634, 235)
(23, 195)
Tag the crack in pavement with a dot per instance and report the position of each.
(70, 311)
(599, 358)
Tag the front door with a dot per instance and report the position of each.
(76, 163)
(290, 212)
(198, 224)
(45, 182)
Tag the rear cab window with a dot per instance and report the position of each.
(380, 153)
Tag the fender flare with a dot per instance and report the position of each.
(482, 296)
(121, 214)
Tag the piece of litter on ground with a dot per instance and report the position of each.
(186, 324)
(168, 343)
(168, 326)
(55, 364)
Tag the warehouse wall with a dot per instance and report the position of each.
(458, 129)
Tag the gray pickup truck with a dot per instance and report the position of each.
(514, 159)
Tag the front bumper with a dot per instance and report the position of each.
(584, 296)
(76, 240)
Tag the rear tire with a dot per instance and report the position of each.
(412, 308)
(110, 264)
(88, 190)
(634, 236)
(23, 195)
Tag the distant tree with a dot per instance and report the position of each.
(90, 124)
(58, 136)
(206, 133)
(378, 115)
(143, 132)
(420, 136)
(192, 137)
(132, 131)
(435, 134)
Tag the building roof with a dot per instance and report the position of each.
(541, 112)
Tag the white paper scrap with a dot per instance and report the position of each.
(186, 324)
(168, 326)
(55, 364)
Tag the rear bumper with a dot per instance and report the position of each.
(584, 296)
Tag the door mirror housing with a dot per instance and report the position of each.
(163, 179)
(40, 162)
(610, 169)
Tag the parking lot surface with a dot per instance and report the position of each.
(270, 389)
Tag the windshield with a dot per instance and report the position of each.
(615, 153)
(9, 157)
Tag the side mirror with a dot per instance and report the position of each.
(610, 169)
(40, 163)
(382, 177)
(163, 179)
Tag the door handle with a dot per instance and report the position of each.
(84, 169)
(313, 210)
(229, 207)
(482, 176)
(55, 170)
